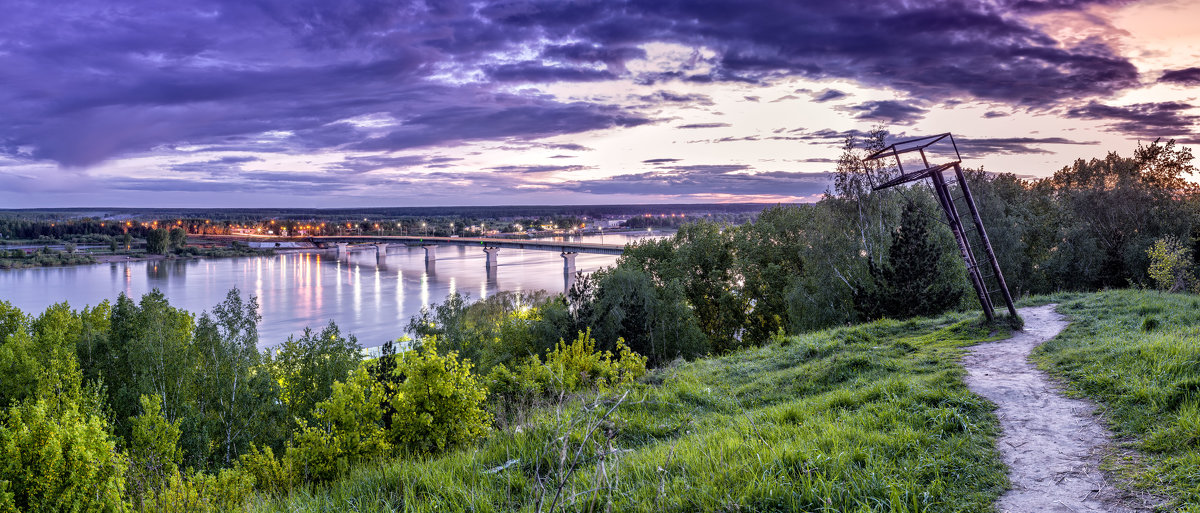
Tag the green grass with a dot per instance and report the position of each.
(870, 418)
(1138, 354)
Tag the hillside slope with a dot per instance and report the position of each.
(870, 418)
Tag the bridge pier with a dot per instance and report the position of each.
(492, 254)
(380, 250)
(569, 262)
(430, 253)
(343, 249)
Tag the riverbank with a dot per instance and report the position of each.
(57, 256)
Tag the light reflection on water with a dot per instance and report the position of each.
(308, 289)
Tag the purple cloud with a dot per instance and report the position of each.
(1186, 76)
(88, 81)
(1150, 120)
(889, 111)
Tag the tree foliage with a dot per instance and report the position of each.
(158, 241)
(438, 404)
(154, 454)
(307, 367)
(177, 238)
(917, 278)
(56, 453)
(1171, 265)
(346, 430)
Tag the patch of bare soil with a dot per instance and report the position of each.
(1052, 444)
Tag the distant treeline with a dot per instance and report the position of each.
(381, 213)
(71, 224)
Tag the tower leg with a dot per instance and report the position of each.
(947, 202)
(987, 243)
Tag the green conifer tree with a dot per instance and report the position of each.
(917, 278)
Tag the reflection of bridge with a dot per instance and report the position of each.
(491, 247)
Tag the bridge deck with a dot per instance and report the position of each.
(481, 242)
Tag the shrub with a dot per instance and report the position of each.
(1170, 265)
(269, 474)
(578, 365)
(438, 403)
(55, 458)
(154, 453)
(307, 367)
(346, 430)
(226, 491)
(571, 367)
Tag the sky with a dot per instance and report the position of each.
(360, 103)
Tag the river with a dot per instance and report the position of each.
(369, 297)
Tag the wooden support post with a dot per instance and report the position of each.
(987, 243)
(943, 194)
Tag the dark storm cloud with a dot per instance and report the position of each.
(536, 169)
(221, 166)
(536, 72)
(670, 97)
(1010, 145)
(707, 179)
(1151, 120)
(933, 49)
(1186, 76)
(889, 111)
(703, 125)
(90, 80)
(828, 94)
(826, 135)
(585, 53)
(477, 122)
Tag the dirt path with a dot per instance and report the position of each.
(1051, 444)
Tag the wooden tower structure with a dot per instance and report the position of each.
(954, 196)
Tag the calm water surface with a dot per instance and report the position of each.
(370, 297)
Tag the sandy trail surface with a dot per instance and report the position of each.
(1051, 444)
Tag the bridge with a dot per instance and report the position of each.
(491, 247)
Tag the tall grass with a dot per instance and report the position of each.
(870, 418)
(1138, 353)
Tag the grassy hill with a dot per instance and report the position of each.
(1137, 353)
(869, 418)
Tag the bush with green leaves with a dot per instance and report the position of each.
(499, 329)
(438, 403)
(579, 365)
(55, 456)
(1171, 265)
(346, 430)
(919, 278)
(307, 367)
(226, 490)
(154, 453)
(572, 367)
